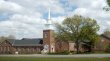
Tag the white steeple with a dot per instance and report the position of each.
(49, 14)
(49, 19)
(49, 22)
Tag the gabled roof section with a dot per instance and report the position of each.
(8, 40)
(11, 41)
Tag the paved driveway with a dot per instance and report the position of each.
(75, 55)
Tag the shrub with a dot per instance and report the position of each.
(60, 53)
(108, 48)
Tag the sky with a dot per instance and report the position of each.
(26, 18)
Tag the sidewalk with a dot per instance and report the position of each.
(75, 55)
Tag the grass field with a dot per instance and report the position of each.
(51, 59)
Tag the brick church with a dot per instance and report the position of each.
(38, 45)
(47, 44)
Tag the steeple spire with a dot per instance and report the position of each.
(49, 22)
(49, 19)
(49, 14)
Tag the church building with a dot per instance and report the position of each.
(47, 44)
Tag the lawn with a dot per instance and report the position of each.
(51, 59)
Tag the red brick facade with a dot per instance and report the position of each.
(102, 44)
(61, 46)
(7, 48)
(48, 39)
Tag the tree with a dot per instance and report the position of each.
(88, 35)
(107, 8)
(108, 2)
(107, 34)
(11, 37)
(3, 38)
(77, 29)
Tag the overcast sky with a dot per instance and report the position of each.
(26, 18)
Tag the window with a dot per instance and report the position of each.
(1, 48)
(8, 48)
(45, 35)
(102, 40)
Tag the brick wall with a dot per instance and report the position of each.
(61, 46)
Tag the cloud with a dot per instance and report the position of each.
(9, 7)
(23, 22)
(41, 5)
(26, 18)
(23, 26)
(93, 9)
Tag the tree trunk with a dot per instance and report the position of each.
(77, 47)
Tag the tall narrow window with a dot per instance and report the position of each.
(45, 35)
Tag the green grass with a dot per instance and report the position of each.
(51, 59)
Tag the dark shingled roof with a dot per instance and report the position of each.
(106, 36)
(26, 42)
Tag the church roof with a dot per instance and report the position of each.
(106, 36)
(26, 42)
